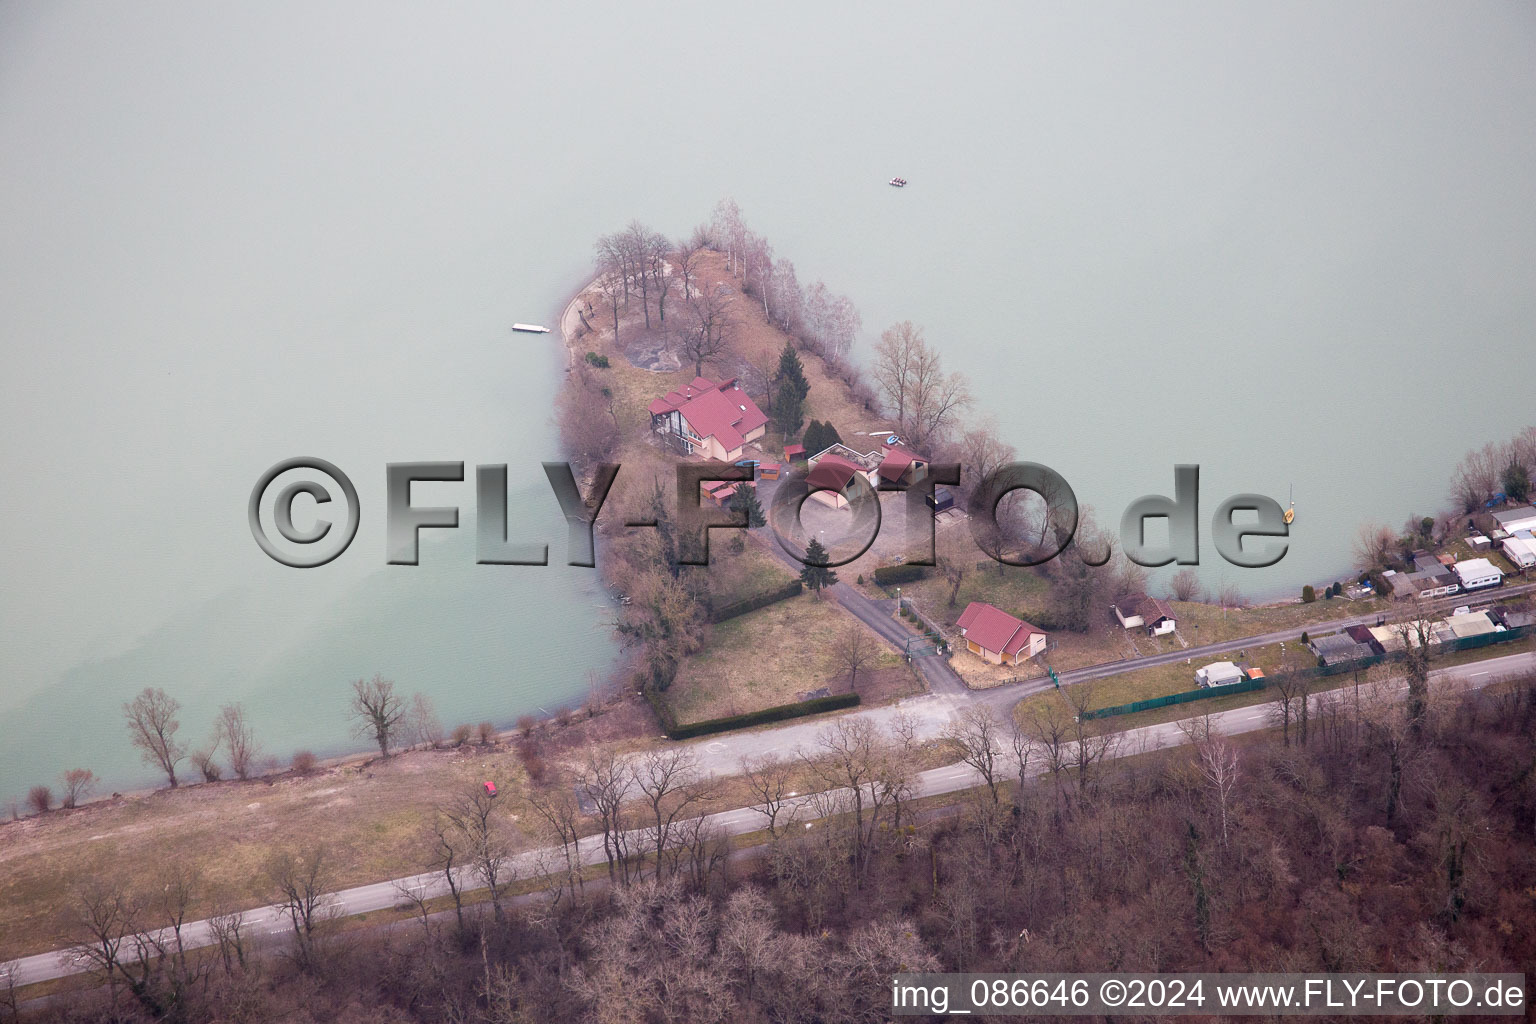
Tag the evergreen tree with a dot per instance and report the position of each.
(790, 389)
(820, 436)
(1517, 482)
(745, 499)
(814, 573)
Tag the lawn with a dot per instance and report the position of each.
(773, 656)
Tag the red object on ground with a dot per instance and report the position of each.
(490, 788)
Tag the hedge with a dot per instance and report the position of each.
(814, 706)
(891, 575)
(752, 604)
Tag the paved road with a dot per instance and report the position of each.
(270, 921)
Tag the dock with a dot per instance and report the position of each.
(531, 328)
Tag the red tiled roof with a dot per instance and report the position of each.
(1152, 609)
(791, 450)
(896, 462)
(832, 472)
(722, 411)
(993, 629)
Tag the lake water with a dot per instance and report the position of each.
(1292, 246)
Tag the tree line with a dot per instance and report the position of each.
(1394, 835)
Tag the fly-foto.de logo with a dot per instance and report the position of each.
(1261, 539)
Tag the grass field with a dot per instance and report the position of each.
(769, 657)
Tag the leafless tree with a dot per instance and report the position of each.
(304, 883)
(561, 815)
(482, 840)
(788, 300)
(924, 398)
(239, 739)
(686, 254)
(103, 926)
(613, 286)
(954, 558)
(978, 733)
(1373, 546)
(206, 760)
(605, 778)
(1184, 586)
(152, 724)
(447, 860)
(228, 931)
(770, 780)
(78, 784)
(982, 451)
(853, 649)
(1219, 768)
(708, 329)
(1477, 478)
(668, 782)
(422, 726)
(378, 712)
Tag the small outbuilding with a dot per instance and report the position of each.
(1219, 673)
(941, 500)
(1478, 574)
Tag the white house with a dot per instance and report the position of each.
(1218, 673)
(1521, 550)
(1517, 519)
(1477, 573)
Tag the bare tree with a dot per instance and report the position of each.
(900, 349)
(708, 329)
(982, 452)
(977, 731)
(152, 724)
(78, 783)
(206, 760)
(304, 883)
(239, 739)
(483, 841)
(769, 779)
(1373, 546)
(40, 799)
(668, 781)
(605, 778)
(954, 559)
(422, 724)
(228, 931)
(377, 711)
(854, 648)
(1219, 768)
(686, 254)
(1184, 586)
(562, 816)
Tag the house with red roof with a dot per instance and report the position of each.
(713, 420)
(994, 635)
(900, 464)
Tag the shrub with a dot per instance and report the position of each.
(1304, 636)
(526, 724)
(774, 714)
(461, 735)
(891, 575)
(304, 762)
(1308, 594)
(601, 362)
(752, 604)
(40, 799)
(533, 762)
(486, 733)
(861, 579)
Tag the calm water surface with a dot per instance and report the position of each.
(1293, 247)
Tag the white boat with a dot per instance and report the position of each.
(898, 182)
(531, 328)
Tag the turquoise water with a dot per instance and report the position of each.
(1293, 247)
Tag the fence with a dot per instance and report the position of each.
(1470, 643)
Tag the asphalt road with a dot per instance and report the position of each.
(270, 922)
